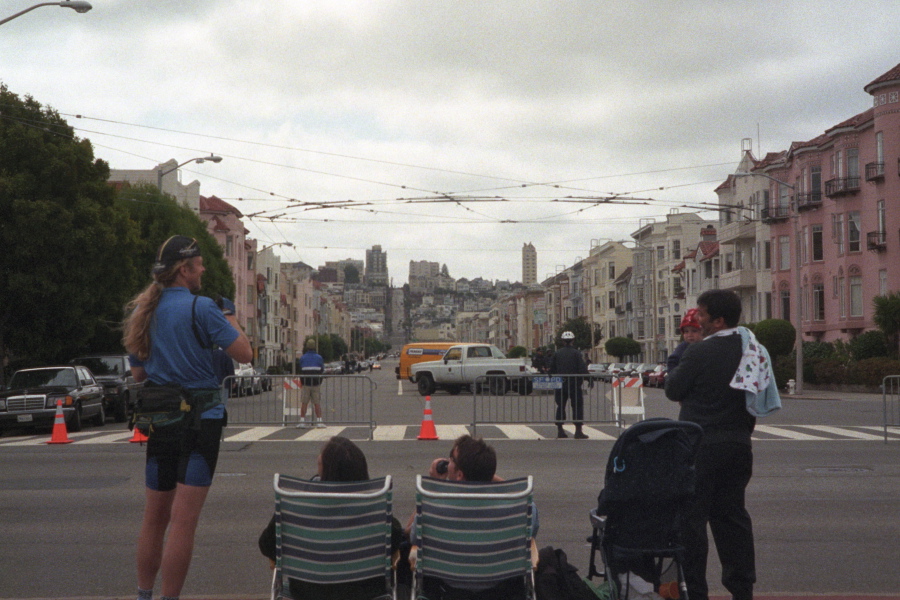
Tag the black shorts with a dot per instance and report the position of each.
(187, 456)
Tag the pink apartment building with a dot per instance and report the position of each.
(835, 200)
(223, 221)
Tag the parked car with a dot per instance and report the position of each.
(376, 366)
(657, 377)
(642, 370)
(265, 383)
(597, 370)
(246, 381)
(113, 372)
(32, 394)
(612, 370)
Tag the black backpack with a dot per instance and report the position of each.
(556, 579)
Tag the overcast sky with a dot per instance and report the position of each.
(452, 131)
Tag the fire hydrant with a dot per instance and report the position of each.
(791, 387)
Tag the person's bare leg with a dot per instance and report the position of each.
(179, 546)
(157, 511)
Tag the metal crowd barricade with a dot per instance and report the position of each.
(276, 400)
(890, 392)
(531, 400)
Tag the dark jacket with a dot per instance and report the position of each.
(701, 383)
(568, 360)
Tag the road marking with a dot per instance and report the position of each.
(321, 434)
(858, 435)
(519, 432)
(891, 429)
(451, 432)
(597, 434)
(786, 433)
(119, 436)
(389, 433)
(254, 434)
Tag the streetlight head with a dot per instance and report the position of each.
(78, 6)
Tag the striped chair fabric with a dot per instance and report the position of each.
(332, 532)
(473, 533)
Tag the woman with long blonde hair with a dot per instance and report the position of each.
(169, 333)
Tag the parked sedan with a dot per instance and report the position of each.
(113, 372)
(32, 395)
(657, 377)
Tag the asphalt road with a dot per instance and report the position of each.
(826, 511)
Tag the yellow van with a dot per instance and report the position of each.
(420, 352)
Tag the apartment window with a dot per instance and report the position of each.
(882, 282)
(804, 245)
(853, 164)
(767, 255)
(815, 180)
(229, 245)
(879, 148)
(612, 299)
(842, 304)
(611, 270)
(856, 296)
(676, 322)
(676, 249)
(784, 252)
(837, 232)
(818, 302)
(881, 216)
(640, 328)
(661, 326)
(783, 198)
(660, 253)
(818, 250)
(853, 231)
(785, 305)
(708, 269)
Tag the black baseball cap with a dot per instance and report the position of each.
(177, 247)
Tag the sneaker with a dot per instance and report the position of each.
(580, 435)
(302, 424)
(320, 424)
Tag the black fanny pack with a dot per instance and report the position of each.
(170, 406)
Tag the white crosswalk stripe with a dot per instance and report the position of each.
(504, 431)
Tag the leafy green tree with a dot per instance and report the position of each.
(582, 330)
(777, 335)
(338, 345)
(620, 347)
(887, 316)
(871, 344)
(66, 267)
(517, 352)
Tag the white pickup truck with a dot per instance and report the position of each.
(462, 365)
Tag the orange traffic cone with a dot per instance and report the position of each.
(60, 435)
(138, 437)
(427, 431)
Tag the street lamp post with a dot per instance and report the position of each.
(160, 173)
(798, 377)
(78, 6)
(289, 244)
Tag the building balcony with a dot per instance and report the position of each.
(876, 241)
(772, 214)
(841, 186)
(808, 201)
(738, 279)
(875, 171)
(739, 230)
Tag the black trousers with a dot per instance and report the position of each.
(571, 391)
(723, 471)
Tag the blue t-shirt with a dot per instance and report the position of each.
(175, 354)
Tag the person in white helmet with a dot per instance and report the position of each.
(568, 360)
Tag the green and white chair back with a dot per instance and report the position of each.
(332, 532)
(472, 533)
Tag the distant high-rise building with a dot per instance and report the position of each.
(529, 264)
(376, 266)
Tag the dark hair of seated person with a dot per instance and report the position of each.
(342, 460)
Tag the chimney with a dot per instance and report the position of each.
(708, 234)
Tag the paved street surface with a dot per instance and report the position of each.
(825, 497)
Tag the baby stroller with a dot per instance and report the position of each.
(648, 487)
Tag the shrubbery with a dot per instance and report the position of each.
(517, 352)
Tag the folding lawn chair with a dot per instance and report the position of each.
(473, 535)
(638, 522)
(331, 533)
